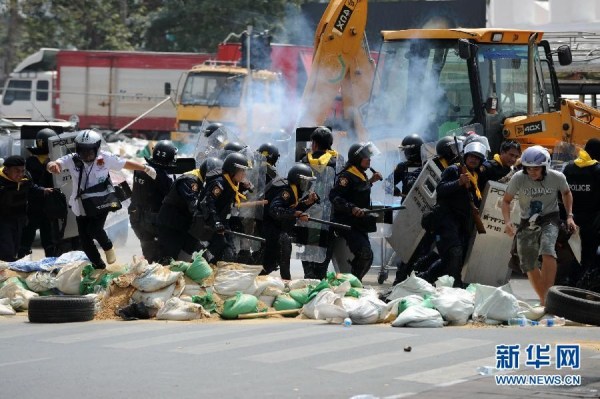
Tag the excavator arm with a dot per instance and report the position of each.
(341, 66)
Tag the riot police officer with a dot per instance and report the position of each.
(271, 154)
(350, 196)
(286, 204)
(222, 189)
(36, 217)
(408, 171)
(583, 176)
(453, 230)
(446, 152)
(147, 196)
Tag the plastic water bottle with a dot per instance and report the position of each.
(486, 370)
(522, 322)
(347, 322)
(553, 322)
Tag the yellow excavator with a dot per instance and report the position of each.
(431, 81)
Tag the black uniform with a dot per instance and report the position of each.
(215, 203)
(491, 170)
(13, 212)
(584, 183)
(406, 173)
(36, 218)
(348, 192)
(317, 160)
(278, 223)
(175, 217)
(455, 224)
(147, 196)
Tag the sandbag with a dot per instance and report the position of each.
(454, 304)
(239, 304)
(268, 286)
(286, 302)
(302, 283)
(41, 281)
(207, 301)
(412, 285)
(157, 298)
(495, 303)
(19, 297)
(199, 268)
(408, 301)
(368, 310)
(339, 278)
(419, 316)
(327, 305)
(233, 277)
(68, 278)
(154, 277)
(176, 309)
(300, 295)
(5, 308)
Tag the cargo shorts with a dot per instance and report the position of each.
(531, 243)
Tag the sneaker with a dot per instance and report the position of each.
(111, 257)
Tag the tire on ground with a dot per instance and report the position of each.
(61, 309)
(574, 304)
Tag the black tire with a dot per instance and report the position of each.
(61, 309)
(574, 304)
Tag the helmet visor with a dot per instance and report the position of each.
(368, 150)
(306, 183)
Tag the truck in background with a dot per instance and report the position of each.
(98, 89)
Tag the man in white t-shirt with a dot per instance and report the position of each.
(537, 187)
(88, 167)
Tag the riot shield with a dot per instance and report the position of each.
(428, 151)
(382, 193)
(246, 217)
(487, 258)
(312, 239)
(406, 229)
(562, 154)
(212, 146)
(7, 143)
(60, 146)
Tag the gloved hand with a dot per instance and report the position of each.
(358, 212)
(219, 228)
(149, 170)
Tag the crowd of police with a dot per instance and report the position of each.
(175, 214)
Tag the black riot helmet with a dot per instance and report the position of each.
(41, 141)
(210, 129)
(359, 151)
(323, 137)
(163, 154)
(270, 152)
(411, 146)
(446, 148)
(234, 146)
(209, 164)
(301, 175)
(235, 162)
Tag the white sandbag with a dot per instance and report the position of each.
(68, 278)
(156, 299)
(444, 281)
(495, 303)
(269, 286)
(326, 305)
(191, 287)
(369, 310)
(302, 283)
(267, 300)
(454, 304)
(233, 277)
(412, 285)
(419, 316)
(19, 297)
(41, 281)
(5, 308)
(154, 277)
(176, 309)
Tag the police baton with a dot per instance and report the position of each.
(248, 236)
(328, 223)
(251, 203)
(381, 210)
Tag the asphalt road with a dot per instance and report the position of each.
(282, 358)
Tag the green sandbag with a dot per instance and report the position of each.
(206, 301)
(199, 269)
(17, 280)
(179, 266)
(88, 283)
(321, 286)
(286, 302)
(301, 294)
(239, 304)
(407, 302)
(353, 292)
(354, 281)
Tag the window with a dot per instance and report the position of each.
(41, 90)
(17, 90)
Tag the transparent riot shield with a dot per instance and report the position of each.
(428, 151)
(312, 238)
(60, 145)
(382, 193)
(6, 145)
(563, 153)
(247, 217)
(212, 146)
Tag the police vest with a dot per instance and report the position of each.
(146, 193)
(585, 187)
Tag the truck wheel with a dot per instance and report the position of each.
(574, 304)
(60, 309)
